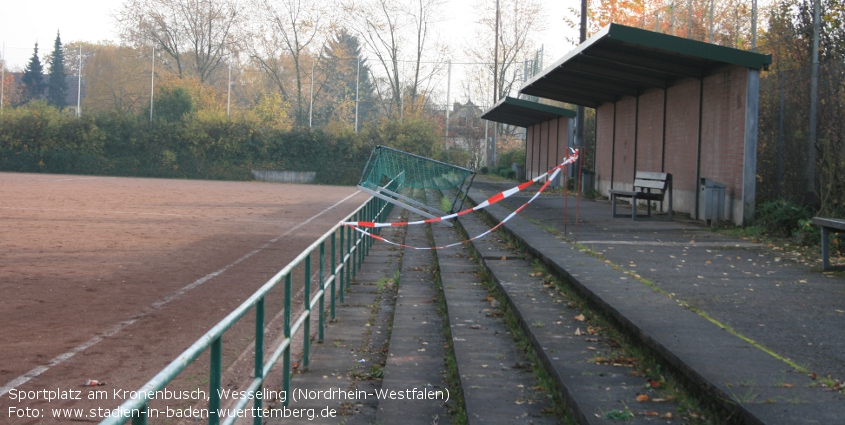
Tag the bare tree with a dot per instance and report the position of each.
(196, 34)
(282, 43)
(399, 35)
(519, 20)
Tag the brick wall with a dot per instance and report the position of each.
(681, 154)
(604, 146)
(546, 145)
(639, 142)
(650, 132)
(723, 134)
(530, 146)
(562, 140)
(624, 144)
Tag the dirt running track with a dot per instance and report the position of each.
(111, 278)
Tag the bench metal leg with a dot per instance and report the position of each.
(613, 204)
(634, 208)
(825, 249)
(669, 189)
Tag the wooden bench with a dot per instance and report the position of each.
(829, 225)
(649, 186)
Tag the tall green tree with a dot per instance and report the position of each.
(33, 78)
(346, 72)
(56, 83)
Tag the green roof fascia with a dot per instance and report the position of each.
(663, 42)
(527, 108)
(686, 46)
(537, 106)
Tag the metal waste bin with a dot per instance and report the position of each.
(711, 205)
(588, 180)
(519, 170)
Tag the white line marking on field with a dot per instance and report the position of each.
(71, 179)
(101, 212)
(61, 358)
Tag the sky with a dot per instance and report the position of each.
(23, 23)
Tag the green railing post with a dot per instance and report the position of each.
(372, 214)
(306, 336)
(259, 356)
(286, 354)
(360, 245)
(357, 249)
(344, 249)
(322, 321)
(368, 214)
(141, 419)
(214, 380)
(334, 269)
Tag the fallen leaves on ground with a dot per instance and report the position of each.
(621, 361)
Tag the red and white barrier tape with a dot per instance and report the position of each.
(490, 201)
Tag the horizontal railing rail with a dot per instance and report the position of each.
(347, 252)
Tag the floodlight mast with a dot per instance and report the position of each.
(3, 79)
(495, 85)
(579, 110)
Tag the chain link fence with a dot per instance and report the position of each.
(784, 168)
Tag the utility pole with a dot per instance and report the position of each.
(689, 23)
(753, 25)
(814, 100)
(357, 83)
(495, 85)
(152, 84)
(448, 88)
(710, 33)
(672, 18)
(3, 80)
(229, 90)
(79, 86)
(580, 110)
(311, 106)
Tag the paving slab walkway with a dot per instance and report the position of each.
(690, 265)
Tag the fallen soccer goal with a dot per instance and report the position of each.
(387, 165)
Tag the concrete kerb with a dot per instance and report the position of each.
(709, 357)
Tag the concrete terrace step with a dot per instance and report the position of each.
(415, 360)
(594, 391)
(748, 380)
(497, 386)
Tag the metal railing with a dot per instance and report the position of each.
(343, 261)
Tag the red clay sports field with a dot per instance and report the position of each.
(111, 278)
